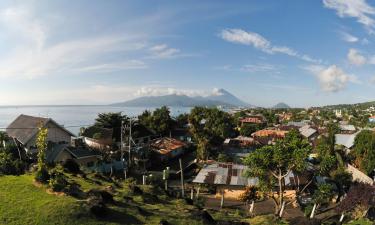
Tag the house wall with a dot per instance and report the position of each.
(55, 134)
(230, 192)
(63, 156)
(86, 160)
(234, 192)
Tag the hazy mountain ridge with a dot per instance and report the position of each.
(281, 105)
(220, 98)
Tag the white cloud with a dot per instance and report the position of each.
(348, 37)
(156, 90)
(358, 9)
(118, 66)
(62, 57)
(332, 78)
(259, 42)
(260, 67)
(163, 51)
(21, 21)
(36, 56)
(356, 58)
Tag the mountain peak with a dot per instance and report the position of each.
(218, 97)
(281, 105)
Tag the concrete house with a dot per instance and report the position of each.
(60, 153)
(24, 129)
(230, 180)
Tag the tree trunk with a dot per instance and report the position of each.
(222, 199)
(313, 211)
(282, 209)
(251, 209)
(342, 217)
(281, 192)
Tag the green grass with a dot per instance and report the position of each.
(360, 222)
(21, 202)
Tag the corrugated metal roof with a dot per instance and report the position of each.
(345, 139)
(224, 174)
(229, 174)
(307, 131)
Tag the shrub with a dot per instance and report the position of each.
(104, 196)
(42, 176)
(57, 181)
(199, 202)
(71, 166)
(9, 165)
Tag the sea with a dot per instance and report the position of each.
(73, 117)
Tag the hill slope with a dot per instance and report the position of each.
(281, 105)
(220, 98)
(23, 203)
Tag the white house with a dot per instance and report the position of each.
(24, 129)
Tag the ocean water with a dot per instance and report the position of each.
(73, 117)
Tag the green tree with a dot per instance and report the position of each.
(364, 151)
(209, 127)
(247, 129)
(41, 144)
(271, 164)
(111, 121)
(322, 195)
(161, 121)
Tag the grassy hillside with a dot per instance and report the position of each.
(24, 203)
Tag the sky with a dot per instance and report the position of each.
(304, 53)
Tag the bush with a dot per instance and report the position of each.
(97, 206)
(71, 166)
(10, 165)
(57, 181)
(42, 176)
(104, 196)
(199, 202)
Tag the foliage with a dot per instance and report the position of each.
(57, 181)
(111, 121)
(10, 165)
(41, 143)
(272, 163)
(323, 194)
(209, 127)
(42, 175)
(159, 120)
(364, 151)
(247, 129)
(182, 119)
(71, 166)
(223, 158)
(250, 194)
(360, 194)
(342, 179)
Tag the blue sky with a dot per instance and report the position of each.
(304, 53)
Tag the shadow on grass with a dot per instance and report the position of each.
(114, 216)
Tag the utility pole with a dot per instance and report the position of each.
(130, 140)
(182, 179)
(122, 148)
